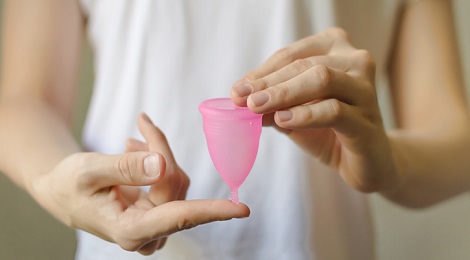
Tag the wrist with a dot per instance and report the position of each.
(403, 190)
(395, 173)
(46, 192)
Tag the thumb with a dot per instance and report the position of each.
(134, 169)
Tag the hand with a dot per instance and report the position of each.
(320, 92)
(100, 194)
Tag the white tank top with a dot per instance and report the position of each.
(164, 57)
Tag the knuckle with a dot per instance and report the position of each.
(305, 115)
(279, 95)
(83, 162)
(336, 110)
(324, 75)
(301, 65)
(364, 59)
(126, 166)
(338, 32)
(363, 54)
(262, 83)
(83, 169)
(185, 223)
(285, 54)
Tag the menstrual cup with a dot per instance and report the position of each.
(232, 135)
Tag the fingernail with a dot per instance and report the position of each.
(285, 115)
(242, 88)
(259, 98)
(152, 166)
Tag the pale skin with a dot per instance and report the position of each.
(322, 82)
(320, 91)
(91, 191)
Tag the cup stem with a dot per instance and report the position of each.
(234, 196)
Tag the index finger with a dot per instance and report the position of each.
(318, 44)
(155, 138)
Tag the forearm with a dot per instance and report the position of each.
(432, 144)
(33, 138)
(41, 53)
(431, 166)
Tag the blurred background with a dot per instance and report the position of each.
(440, 232)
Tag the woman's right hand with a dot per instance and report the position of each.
(100, 194)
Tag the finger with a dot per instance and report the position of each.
(170, 186)
(363, 64)
(268, 119)
(134, 145)
(149, 248)
(156, 140)
(243, 88)
(359, 63)
(318, 44)
(319, 82)
(330, 113)
(184, 187)
(174, 216)
(168, 189)
(161, 243)
(134, 169)
(132, 195)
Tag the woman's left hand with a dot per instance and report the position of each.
(320, 92)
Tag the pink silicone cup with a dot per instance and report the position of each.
(232, 135)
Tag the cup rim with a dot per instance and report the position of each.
(224, 107)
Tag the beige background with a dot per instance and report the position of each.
(441, 232)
